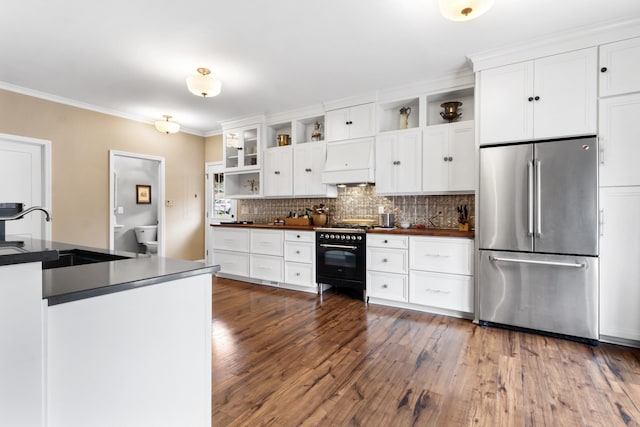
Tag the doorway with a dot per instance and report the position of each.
(25, 177)
(136, 198)
(218, 208)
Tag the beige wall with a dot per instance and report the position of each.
(213, 148)
(80, 141)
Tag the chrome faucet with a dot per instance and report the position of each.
(21, 214)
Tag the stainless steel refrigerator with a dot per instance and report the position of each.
(538, 236)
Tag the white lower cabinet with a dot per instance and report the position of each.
(425, 273)
(387, 266)
(274, 257)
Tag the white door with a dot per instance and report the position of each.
(218, 208)
(24, 179)
(462, 175)
(435, 160)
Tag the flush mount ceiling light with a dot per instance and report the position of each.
(464, 10)
(204, 84)
(166, 126)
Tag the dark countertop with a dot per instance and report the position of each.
(66, 284)
(19, 251)
(437, 232)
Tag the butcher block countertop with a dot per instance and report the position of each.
(437, 232)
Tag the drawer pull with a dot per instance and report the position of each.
(437, 291)
(385, 241)
(437, 256)
(298, 274)
(384, 260)
(298, 252)
(298, 236)
(385, 286)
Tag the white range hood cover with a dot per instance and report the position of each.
(350, 162)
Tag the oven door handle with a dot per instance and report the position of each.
(328, 245)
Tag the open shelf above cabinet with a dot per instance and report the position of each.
(275, 129)
(462, 95)
(245, 185)
(305, 127)
(389, 114)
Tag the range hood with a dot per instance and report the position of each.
(349, 162)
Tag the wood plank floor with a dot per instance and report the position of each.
(285, 358)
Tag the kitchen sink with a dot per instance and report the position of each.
(72, 257)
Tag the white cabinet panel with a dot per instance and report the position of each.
(619, 140)
(448, 291)
(265, 267)
(387, 241)
(351, 122)
(387, 286)
(267, 242)
(620, 67)
(387, 260)
(299, 274)
(299, 236)
(448, 157)
(231, 239)
(235, 263)
(299, 252)
(399, 162)
(550, 97)
(441, 254)
(278, 172)
(619, 266)
(308, 165)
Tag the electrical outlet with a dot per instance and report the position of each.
(380, 209)
(120, 210)
(244, 210)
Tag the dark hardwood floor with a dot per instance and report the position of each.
(285, 358)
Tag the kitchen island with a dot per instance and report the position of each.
(117, 342)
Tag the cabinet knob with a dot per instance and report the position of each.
(277, 172)
(386, 241)
(603, 69)
(297, 274)
(307, 170)
(384, 260)
(385, 286)
(446, 159)
(537, 98)
(450, 159)
(239, 148)
(530, 98)
(298, 252)
(297, 236)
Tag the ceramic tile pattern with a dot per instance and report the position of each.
(362, 202)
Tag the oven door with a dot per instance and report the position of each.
(340, 264)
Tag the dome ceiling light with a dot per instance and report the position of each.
(464, 10)
(204, 84)
(165, 126)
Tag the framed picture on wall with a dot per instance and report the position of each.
(143, 194)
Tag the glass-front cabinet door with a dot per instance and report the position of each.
(242, 149)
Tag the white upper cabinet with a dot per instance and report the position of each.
(278, 172)
(308, 165)
(242, 149)
(352, 122)
(550, 97)
(448, 157)
(399, 162)
(619, 136)
(620, 67)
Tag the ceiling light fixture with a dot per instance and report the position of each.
(204, 84)
(464, 10)
(166, 126)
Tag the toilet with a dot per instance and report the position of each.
(147, 236)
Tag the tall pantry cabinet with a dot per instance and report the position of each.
(619, 134)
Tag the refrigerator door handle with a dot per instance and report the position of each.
(538, 201)
(530, 214)
(531, 261)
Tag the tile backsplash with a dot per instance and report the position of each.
(362, 202)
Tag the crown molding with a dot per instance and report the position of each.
(295, 114)
(256, 119)
(556, 43)
(450, 82)
(350, 101)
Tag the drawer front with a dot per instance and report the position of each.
(388, 260)
(386, 285)
(266, 267)
(299, 274)
(299, 252)
(236, 263)
(441, 254)
(448, 291)
(300, 236)
(231, 239)
(387, 241)
(267, 242)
